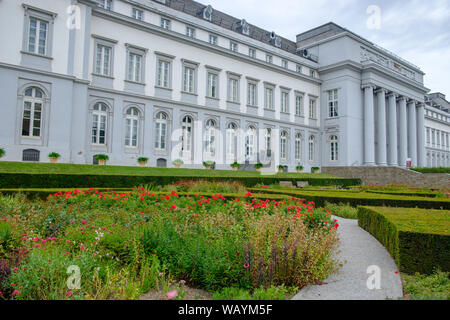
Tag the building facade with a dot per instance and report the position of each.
(437, 126)
(177, 79)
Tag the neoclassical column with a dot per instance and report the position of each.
(369, 127)
(412, 132)
(392, 129)
(421, 152)
(403, 133)
(381, 128)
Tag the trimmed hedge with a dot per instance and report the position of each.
(364, 199)
(44, 193)
(38, 180)
(415, 248)
(432, 170)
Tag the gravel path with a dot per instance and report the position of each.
(358, 250)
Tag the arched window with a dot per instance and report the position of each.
(334, 150)
(210, 138)
(298, 147)
(131, 127)
(231, 140)
(99, 123)
(30, 155)
(312, 148)
(268, 141)
(32, 112)
(283, 145)
(250, 143)
(186, 128)
(160, 131)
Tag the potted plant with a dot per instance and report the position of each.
(315, 169)
(2, 152)
(101, 158)
(208, 164)
(142, 161)
(177, 163)
(258, 166)
(299, 168)
(280, 168)
(235, 166)
(54, 157)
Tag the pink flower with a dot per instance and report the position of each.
(396, 272)
(172, 294)
(246, 265)
(183, 281)
(15, 292)
(83, 221)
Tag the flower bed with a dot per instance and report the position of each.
(126, 243)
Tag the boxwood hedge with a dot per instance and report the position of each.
(38, 180)
(418, 240)
(364, 199)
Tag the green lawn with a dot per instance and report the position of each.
(20, 167)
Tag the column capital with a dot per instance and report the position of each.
(411, 101)
(392, 94)
(368, 85)
(382, 90)
(420, 104)
(400, 98)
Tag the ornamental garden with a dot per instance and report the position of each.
(103, 232)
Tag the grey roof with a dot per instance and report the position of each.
(438, 101)
(226, 21)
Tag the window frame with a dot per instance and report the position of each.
(212, 73)
(163, 59)
(214, 38)
(48, 17)
(268, 106)
(333, 103)
(191, 32)
(188, 83)
(100, 114)
(334, 147)
(233, 98)
(312, 148)
(165, 23)
(134, 127)
(231, 141)
(160, 138)
(133, 50)
(210, 137)
(33, 100)
(299, 107)
(284, 103)
(137, 13)
(298, 146)
(312, 111)
(255, 95)
(234, 46)
(284, 145)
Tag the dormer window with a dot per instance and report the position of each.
(274, 39)
(207, 13)
(244, 27)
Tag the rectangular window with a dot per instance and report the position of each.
(189, 80)
(37, 36)
(103, 60)
(105, 4)
(212, 85)
(428, 136)
(268, 98)
(269, 58)
(312, 73)
(284, 64)
(233, 46)
(285, 102)
(163, 74)
(165, 23)
(298, 68)
(251, 94)
(137, 14)
(299, 105)
(312, 109)
(233, 90)
(333, 103)
(213, 39)
(252, 53)
(134, 67)
(190, 32)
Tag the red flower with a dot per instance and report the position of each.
(195, 214)
(246, 265)
(173, 207)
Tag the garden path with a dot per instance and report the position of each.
(357, 250)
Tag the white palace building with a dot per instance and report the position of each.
(176, 79)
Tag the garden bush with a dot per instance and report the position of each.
(418, 240)
(126, 243)
(39, 180)
(356, 199)
(432, 170)
(342, 210)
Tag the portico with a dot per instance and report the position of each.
(393, 128)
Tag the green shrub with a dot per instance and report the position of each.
(2, 152)
(235, 165)
(299, 168)
(177, 161)
(342, 210)
(427, 287)
(208, 163)
(418, 240)
(356, 199)
(101, 157)
(142, 159)
(258, 165)
(432, 170)
(38, 180)
(54, 155)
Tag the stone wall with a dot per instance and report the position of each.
(391, 175)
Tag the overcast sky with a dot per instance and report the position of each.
(416, 30)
